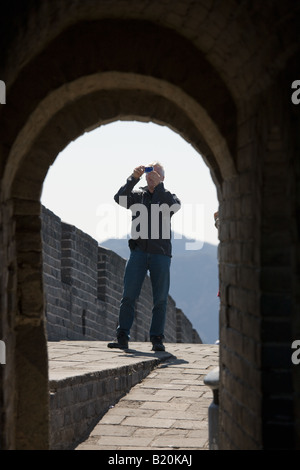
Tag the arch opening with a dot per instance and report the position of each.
(80, 187)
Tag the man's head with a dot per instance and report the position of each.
(158, 168)
(156, 176)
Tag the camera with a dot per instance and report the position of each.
(148, 169)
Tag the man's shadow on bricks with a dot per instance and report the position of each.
(166, 358)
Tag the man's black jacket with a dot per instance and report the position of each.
(153, 233)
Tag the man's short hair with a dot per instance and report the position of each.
(160, 166)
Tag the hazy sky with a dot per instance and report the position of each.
(80, 185)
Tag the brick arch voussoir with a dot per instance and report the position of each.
(88, 112)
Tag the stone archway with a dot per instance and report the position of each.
(84, 101)
(213, 73)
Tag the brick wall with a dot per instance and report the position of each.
(83, 285)
(78, 403)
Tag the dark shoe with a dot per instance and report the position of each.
(121, 343)
(157, 344)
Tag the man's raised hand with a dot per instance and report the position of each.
(138, 172)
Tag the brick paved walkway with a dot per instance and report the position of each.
(167, 410)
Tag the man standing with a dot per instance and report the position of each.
(150, 249)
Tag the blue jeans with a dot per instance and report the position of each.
(135, 272)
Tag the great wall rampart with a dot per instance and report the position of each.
(83, 284)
